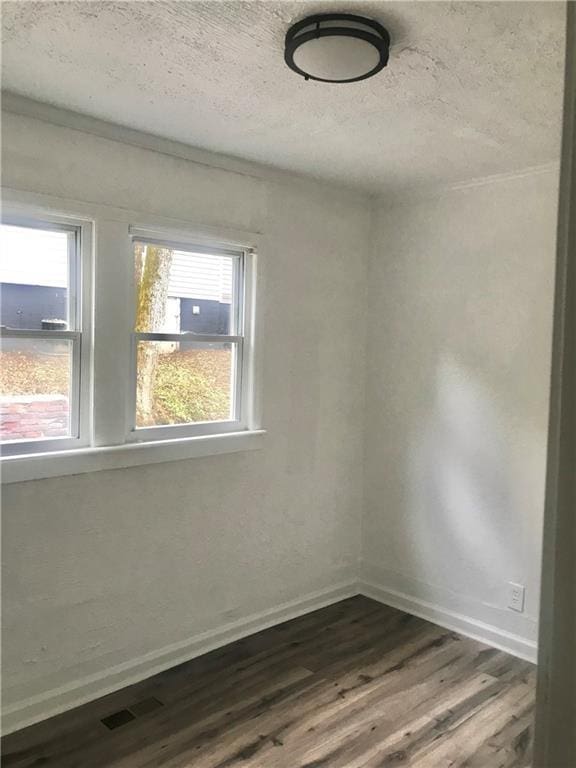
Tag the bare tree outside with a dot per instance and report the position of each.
(153, 265)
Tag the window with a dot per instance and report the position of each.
(41, 334)
(121, 345)
(188, 346)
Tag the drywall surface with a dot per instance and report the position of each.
(461, 296)
(104, 569)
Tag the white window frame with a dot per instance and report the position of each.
(240, 328)
(78, 333)
(107, 317)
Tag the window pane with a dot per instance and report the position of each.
(182, 290)
(33, 278)
(35, 389)
(184, 382)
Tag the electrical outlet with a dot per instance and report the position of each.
(516, 597)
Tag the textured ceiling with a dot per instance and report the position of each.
(472, 89)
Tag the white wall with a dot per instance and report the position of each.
(457, 402)
(102, 569)
(107, 574)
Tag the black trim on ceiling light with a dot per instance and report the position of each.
(299, 33)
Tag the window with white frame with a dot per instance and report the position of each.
(188, 351)
(80, 369)
(44, 346)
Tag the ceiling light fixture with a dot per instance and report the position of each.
(337, 48)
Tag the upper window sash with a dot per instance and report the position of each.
(237, 255)
(74, 264)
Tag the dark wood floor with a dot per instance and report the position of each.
(355, 685)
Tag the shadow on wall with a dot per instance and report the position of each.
(459, 463)
(473, 485)
(459, 381)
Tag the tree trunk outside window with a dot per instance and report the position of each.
(152, 264)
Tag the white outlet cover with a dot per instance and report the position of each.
(516, 595)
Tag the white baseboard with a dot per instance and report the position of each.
(36, 708)
(477, 630)
(53, 702)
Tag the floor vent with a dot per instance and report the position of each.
(118, 719)
(124, 716)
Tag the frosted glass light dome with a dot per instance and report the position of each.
(337, 48)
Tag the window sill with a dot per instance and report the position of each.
(16, 469)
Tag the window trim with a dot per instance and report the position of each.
(106, 263)
(78, 461)
(79, 323)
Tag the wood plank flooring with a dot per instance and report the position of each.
(354, 685)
